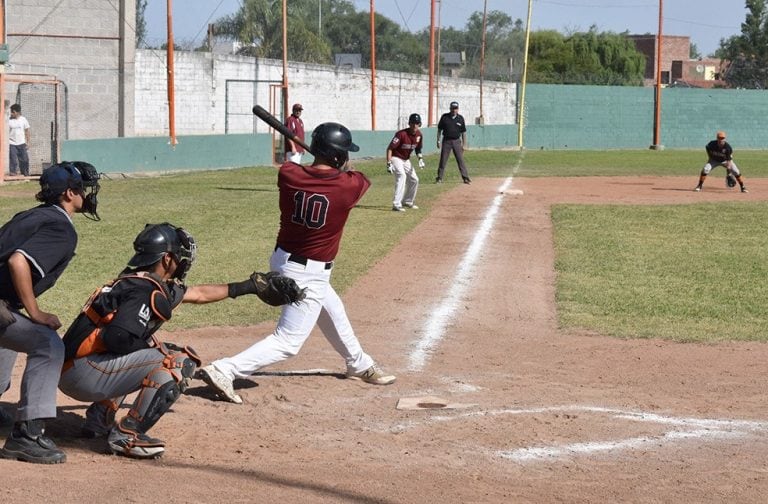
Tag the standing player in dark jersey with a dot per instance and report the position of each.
(399, 151)
(454, 131)
(315, 202)
(111, 349)
(720, 153)
(35, 247)
(294, 151)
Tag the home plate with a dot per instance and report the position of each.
(513, 192)
(428, 402)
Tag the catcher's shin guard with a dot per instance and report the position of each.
(152, 403)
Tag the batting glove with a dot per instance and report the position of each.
(421, 162)
(389, 167)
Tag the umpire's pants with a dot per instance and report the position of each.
(45, 355)
(458, 151)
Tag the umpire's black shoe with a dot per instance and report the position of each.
(438, 180)
(27, 442)
(6, 420)
(467, 180)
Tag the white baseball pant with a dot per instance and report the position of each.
(406, 182)
(322, 306)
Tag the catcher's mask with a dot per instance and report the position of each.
(158, 239)
(75, 175)
(332, 142)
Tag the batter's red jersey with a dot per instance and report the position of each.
(404, 142)
(314, 206)
(296, 126)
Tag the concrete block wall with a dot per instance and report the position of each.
(209, 100)
(77, 42)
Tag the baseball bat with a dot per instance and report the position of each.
(272, 121)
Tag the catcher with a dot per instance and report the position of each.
(720, 153)
(111, 350)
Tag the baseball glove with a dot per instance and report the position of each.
(730, 180)
(276, 289)
(272, 288)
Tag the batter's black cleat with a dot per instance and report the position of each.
(467, 180)
(438, 180)
(28, 443)
(744, 189)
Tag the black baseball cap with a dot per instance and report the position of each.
(454, 104)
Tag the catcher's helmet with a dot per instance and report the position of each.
(414, 119)
(155, 240)
(332, 142)
(75, 175)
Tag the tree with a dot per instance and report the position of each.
(141, 23)
(591, 57)
(748, 52)
(258, 26)
(693, 52)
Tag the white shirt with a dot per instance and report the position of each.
(17, 128)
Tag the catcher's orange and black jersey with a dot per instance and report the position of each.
(133, 307)
(314, 206)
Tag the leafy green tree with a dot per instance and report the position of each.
(590, 57)
(141, 23)
(748, 52)
(258, 26)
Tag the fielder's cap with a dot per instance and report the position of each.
(721, 134)
(297, 106)
(454, 104)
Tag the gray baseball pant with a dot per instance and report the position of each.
(45, 355)
(458, 152)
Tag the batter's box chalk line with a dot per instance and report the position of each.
(680, 429)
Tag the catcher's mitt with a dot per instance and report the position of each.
(276, 289)
(730, 180)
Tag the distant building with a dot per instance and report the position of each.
(677, 69)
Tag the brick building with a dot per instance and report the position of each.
(676, 66)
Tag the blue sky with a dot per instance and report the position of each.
(706, 23)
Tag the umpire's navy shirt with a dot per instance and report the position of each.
(47, 238)
(452, 127)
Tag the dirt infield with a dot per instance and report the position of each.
(543, 416)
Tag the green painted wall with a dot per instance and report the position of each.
(557, 117)
(205, 152)
(601, 117)
(154, 154)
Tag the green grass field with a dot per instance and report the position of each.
(687, 272)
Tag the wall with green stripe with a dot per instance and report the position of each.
(599, 117)
(556, 117)
(205, 152)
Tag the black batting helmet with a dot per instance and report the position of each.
(155, 240)
(332, 142)
(414, 119)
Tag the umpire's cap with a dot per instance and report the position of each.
(75, 175)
